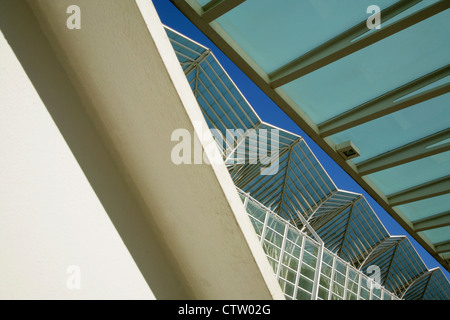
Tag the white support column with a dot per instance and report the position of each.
(283, 245)
(299, 267)
(346, 283)
(263, 232)
(358, 297)
(333, 269)
(371, 286)
(315, 290)
(246, 200)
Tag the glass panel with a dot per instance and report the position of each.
(341, 267)
(327, 258)
(376, 293)
(311, 247)
(305, 283)
(287, 287)
(351, 296)
(288, 274)
(437, 235)
(352, 286)
(325, 281)
(271, 250)
(257, 225)
(435, 84)
(292, 248)
(353, 275)
(185, 49)
(290, 261)
(335, 297)
(323, 293)
(256, 211)
(276, 224)
(364, 294)
(273, 237)
(303, 295)
(309, 259)
(425, 208)
(296, 26)
(338, 289)
(273, 263)
(326, 270)
(294, 236)
(339, 278)
(365, 75)
(307, 271)
(398, 128)
(411, 174)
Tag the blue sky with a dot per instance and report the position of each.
(271, 113)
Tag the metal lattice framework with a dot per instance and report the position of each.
(340, 82)
(300, 190)
(304, 267)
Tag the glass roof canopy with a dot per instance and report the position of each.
(301, 191)
(386, 91)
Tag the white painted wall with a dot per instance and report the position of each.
(50, 217)
(85, 173)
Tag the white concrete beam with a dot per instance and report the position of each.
(124, 68)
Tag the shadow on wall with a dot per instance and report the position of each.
(23, 33)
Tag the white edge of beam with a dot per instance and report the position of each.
(168, 55)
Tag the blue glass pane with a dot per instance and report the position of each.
(435, 84)
(425, 208)
(373, 71)
(183, 46)
(437, 235)
(295, 27)
(411, 174)
(398, 128)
